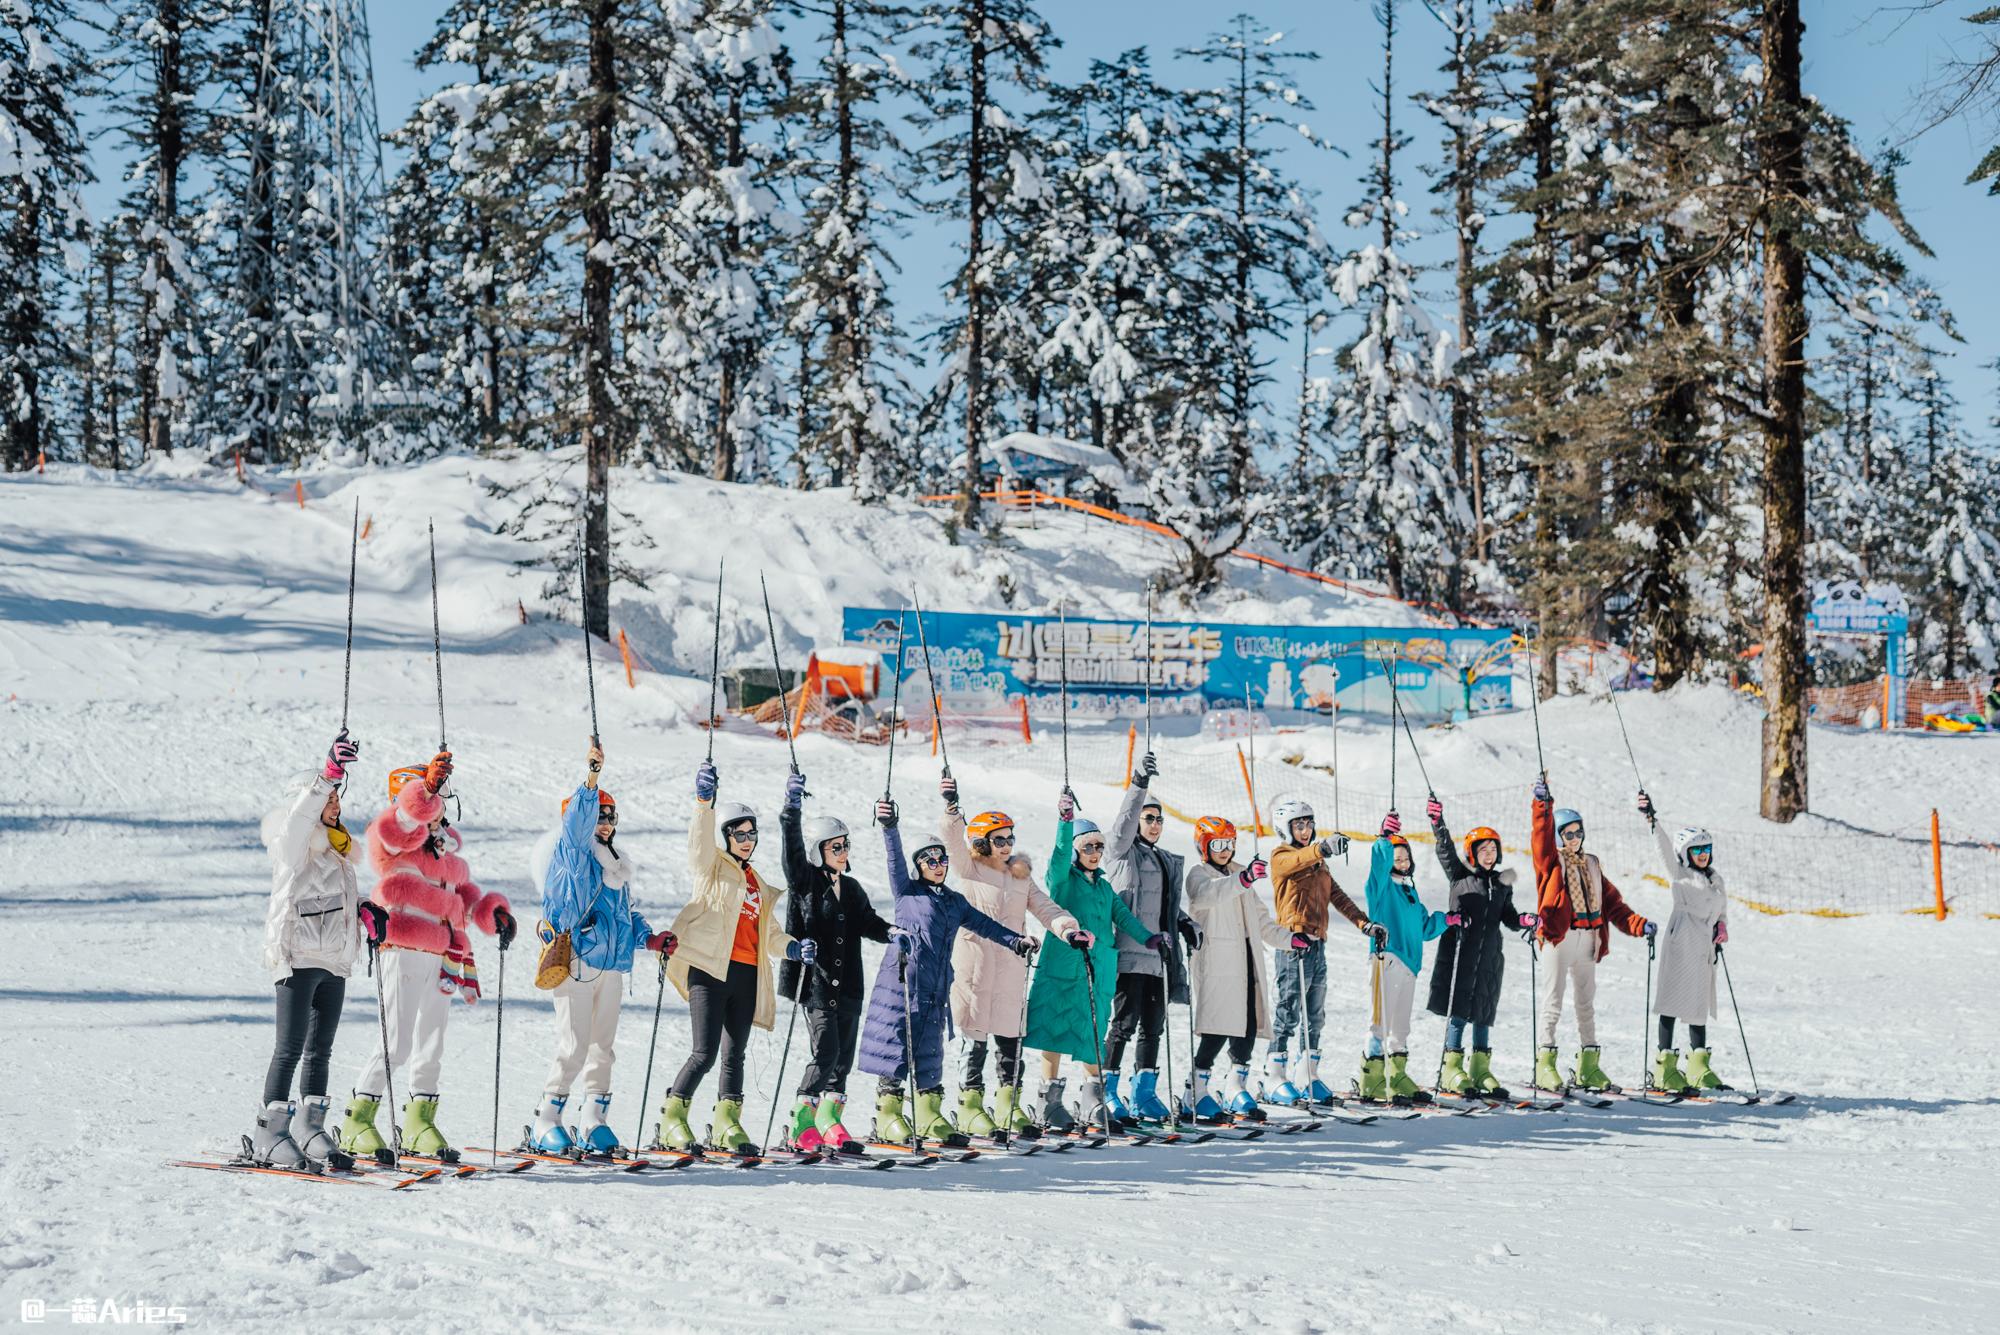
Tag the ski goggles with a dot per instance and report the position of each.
(607, 815)
(1222, 845)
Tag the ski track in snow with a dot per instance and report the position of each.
(170, 648)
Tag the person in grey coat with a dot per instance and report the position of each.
(1148, 879)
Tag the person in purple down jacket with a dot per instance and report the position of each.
(929, 916)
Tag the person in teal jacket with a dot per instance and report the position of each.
(1393, 902)
(1061, 1021)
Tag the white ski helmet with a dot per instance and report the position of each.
(729, 813)
(819, 829)
(1686, 841)
(925, 840)
(1288, 809)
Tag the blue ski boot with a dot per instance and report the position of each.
(550, 1136)
(1315, 1089)
(1121, 1111)
(1146, 1103)
(598, 1137)
(1205, 1108)
(1237, 1099)
(1277, 1089)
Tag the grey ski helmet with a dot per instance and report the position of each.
(819, 829)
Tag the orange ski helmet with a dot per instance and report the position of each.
(1209, 829)
(1479, 835)
(398, 778)
(988, 823)
(604, 802)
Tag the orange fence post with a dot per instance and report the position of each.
(625, 652)
(1885, 702)
(368, 526)
(41, 461)
(299, 490)
(239, 465)
(1131, 741)
(1937, 864)
(1250, 791)
(1026, 735)
(934, 727)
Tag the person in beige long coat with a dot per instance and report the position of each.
(1230, 974)
(989, 985)
(1698, 925)
(728, 935)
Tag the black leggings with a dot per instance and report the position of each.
(722, 1011)
(309, 1005)
(832, 1032)
(1697, 1033)
(1139, 1004)
(1206, 1051)
(1009, 1061)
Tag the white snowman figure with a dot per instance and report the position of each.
(1278, 687)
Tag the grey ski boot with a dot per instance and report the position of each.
(1055, 1114)
(310, 1135)
(271, 1144)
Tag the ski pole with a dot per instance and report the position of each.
(1062, 624)
(930, 680)
(652, 1047)
(1646, 1020)
(589, 666)
(1256, 814)
(1275, 833)
(437, 640)
(1741, 1037)
(895, 714)
(778, 674)
(1380, 1019)
(715, 662)
(1403, 716)
(1152, 661)
(1534, 1008)
(784, 1056)
(1167, 1043)
(1096, 1033)
(910, 1053)
(1612, 691)
(499, 1027)
(388, 1067)
(1021, 1038)
(1305, 1030)
(347, 661)
(1389, 672)
(1535, 707)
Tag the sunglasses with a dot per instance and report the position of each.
(835, 845)
(931, 857)
(607, 816)
(1094, 846)
(1000, 840)
(748, 836)
(1152, 818)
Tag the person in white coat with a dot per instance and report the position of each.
(313, 927)
(989, 984)
(1230, 975)
(1699, 923)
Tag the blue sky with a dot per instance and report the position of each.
(1863, 60)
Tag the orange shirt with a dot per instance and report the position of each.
(745, 950)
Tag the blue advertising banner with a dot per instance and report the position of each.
(985, 664)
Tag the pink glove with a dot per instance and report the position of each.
(1530, 920)
(1301, 943)
(1435, 810)
(1259, 869)
(1454, 920)
(338, 757)
(1392, 824)
(1722, 933)
(1066, 806)
(374, 920)
(1081, 939)
(663, 942)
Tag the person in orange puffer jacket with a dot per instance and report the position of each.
(425, 955)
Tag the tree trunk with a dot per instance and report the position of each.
(846, 352)
(724, 466)
(1467, 457)
(169, 147)
(598, 427)
(1385, 190)
(975, 297)
(1239, 349)
(260, 309)
(1665, 609)
(1541, 129)
(1785, 328)
(25, 330)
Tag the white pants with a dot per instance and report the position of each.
(586, 1027)
(1399, 993)
(417, 1012)
(1574, 960)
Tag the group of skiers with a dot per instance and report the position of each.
(1129, 927)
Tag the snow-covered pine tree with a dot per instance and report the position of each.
(1955, 570)
(1408, 515)
(43, 225)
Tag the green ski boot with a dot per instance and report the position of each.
(725, 1128)
(1666, 1071)
(832, 1131)
(1371, 1085)
(420, 1132)
(1480, 1074)
(805, 1126)
(673, 1132)
(357, 1135)
(1008, 1114)
(932, 1124)
(1588, 1074)
(1400, 1084)
(1699, 1074)
(973, 1119)
(1547, 1077)
(891, 1123)
(1452, 1079)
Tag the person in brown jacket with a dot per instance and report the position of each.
(1578, 905)
(1305, 896)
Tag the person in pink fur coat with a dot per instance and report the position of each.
(426, 952)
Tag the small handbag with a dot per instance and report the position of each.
(553, 967)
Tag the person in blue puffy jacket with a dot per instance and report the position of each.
(929, 916)
(1393, 902)
(586, 888)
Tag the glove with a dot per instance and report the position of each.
(900, 939)
(1391, 824)
(1148, 767)
(438, 773)
(1081, 939)
(1542, 791)
(663, 942)
(1530, 921)
(1646, 807)
(1434, 809)
(1025, 946)
(339, 756)
(1159, 941)
(1333, 848)
(1377, 931)
(1191, 933)
(505, 926)
(706, 781)
(1650, 930)
(374, 921)
(805, 952)
(795, 791)
(596, 757)
(1722, 933)
(1454, 920)
(948, 789)
(1301, 943)
(1255, 872)
(1066, 806)
(885, 814)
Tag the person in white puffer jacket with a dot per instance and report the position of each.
(1698, 925)
(313, 927)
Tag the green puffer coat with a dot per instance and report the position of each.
(1059, 1017)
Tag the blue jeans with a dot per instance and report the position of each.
(1454, 1036)
(1285, 1021)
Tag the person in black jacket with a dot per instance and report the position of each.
(825, 905)
(1471, 961)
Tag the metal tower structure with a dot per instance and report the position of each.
(324, 360)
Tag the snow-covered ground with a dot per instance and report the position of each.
(170, 647)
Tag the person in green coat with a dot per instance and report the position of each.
(1060, 1018)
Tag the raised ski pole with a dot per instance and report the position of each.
(1096, 1033)
(1612, 691)
(347, 660)
(1535, 708)
(652, 1046)
(1755, 1088)
(1276, 833)
(1390, 672)
(895, 713)
(930, 680)
(1256, 813)
(1062, 625)
(1402, 715)
(437, 639)
(499, 1027)
(1152, 662)
(778, 677)
(784, 1056)
(388, 1066)
(715, 662)
(589, 664)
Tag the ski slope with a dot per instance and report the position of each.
(170, 647)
